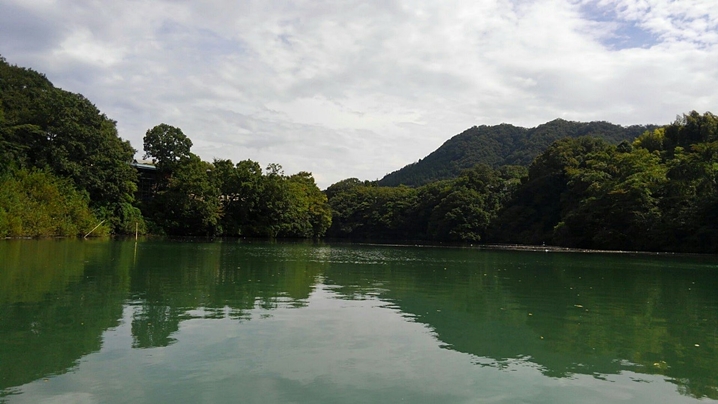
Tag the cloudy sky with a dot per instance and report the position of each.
(348, 88)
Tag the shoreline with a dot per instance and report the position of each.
(522, 247)
(396, 243)
(546, 248)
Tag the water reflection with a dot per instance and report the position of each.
(171, 279)
(56, 300)
(563, 315)
(566, 313)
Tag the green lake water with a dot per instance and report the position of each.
(258, 322)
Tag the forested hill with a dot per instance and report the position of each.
(502, 144)
(64, 171)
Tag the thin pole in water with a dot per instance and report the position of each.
(93, 229)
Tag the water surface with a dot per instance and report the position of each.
(259, 322)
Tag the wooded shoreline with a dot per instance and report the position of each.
(590, 187)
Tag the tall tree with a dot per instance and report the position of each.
(466, 211)
(309, 213)
(167, 145)
(241, 187)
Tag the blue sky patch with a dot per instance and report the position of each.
(630, 35)
(625, 34)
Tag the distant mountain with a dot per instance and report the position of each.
(500, 145)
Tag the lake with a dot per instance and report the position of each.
(101, 321)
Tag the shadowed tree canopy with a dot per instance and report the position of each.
(452, 210)
(657, 194)
(188, 205)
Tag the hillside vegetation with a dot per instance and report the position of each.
(501, 145)
(63, 168)
(64, 135)
(657, 193)
(36, 203)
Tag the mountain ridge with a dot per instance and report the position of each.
(502, 144)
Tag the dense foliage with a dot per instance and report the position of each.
(501, 145)
(197, 198)
(37, 203)
(85, 176)
(658, 193)
(65, 134)
(588, 185)
(451, 210)
(167, 146)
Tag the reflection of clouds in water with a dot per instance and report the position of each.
(333, 350)
(73, 398)
(387, 333)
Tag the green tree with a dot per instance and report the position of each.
(616, 202)
(309, 213)
(189, 205)
(691, 199)
(45, 127)
(651, 140)
(245, 204)
(37, 203)
(341, 186)
(537, 205)
(690, 129)
(167, 145)
(270, 204)
(466, 211)
(372, 212)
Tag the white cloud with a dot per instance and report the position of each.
(693, 21)
(81, 46)
(357, 88)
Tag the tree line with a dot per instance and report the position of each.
(64, 169)
(656, 193)
(194, 197)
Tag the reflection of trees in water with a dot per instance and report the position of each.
(656, 320)
(153, 324)
(225, 280)
(64, 296)
(568, 314)
(82, 287)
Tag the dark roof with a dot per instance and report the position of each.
(143, 166)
